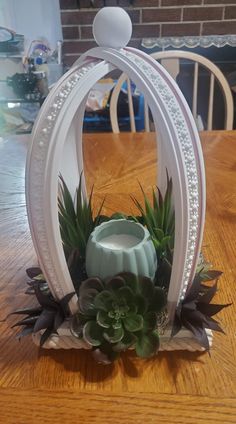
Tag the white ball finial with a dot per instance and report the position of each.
(112, 27)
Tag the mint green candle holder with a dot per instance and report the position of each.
(120, 246)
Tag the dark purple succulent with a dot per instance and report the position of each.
(195, 312)
(48, 315)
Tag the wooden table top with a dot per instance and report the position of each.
(68, 386)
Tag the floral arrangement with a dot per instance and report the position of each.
(127, 310)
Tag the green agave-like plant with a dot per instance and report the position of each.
(159, 218)
(119, 313)
(76, 222)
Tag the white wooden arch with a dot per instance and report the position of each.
(57, 148)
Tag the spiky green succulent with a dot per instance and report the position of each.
(76, 218)
(159, 218)
(76, 224)
(119, 313)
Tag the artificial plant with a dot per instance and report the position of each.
(48, 315)
(76, 224)
(159, 218)
(124, 311)
(119, 313)
(195, 312)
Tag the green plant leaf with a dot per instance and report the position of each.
(159, 210)
(155, 201)
(159, 219)
(92, 333)
(76, 221)
(126, 294)
(133, 308)
(149, 209)
(165, 241)
(159, 233)
(157, 245)
(127, 341)
(131, 280)
(103, 319)
(117, 324)
(147, 344)
(133, 322)
(103, 301)
(67, 199)
(79, 197)
(113, 335)
(100, 218)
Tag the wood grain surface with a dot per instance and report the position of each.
(68, 386)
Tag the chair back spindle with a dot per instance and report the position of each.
(171, 62)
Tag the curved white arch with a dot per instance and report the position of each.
(54, 150)
(179, 151)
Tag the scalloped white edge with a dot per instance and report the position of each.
(184, 340)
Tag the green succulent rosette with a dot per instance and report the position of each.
(118, 314)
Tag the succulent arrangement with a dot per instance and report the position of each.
(124, 311)
(159, 218)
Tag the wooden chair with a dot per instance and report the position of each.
(171, 61)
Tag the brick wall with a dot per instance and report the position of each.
(151, 18)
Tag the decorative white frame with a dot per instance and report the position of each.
(57, 148)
